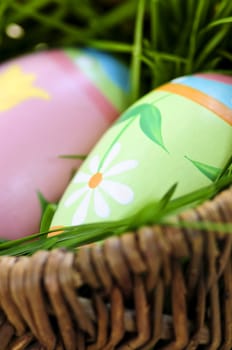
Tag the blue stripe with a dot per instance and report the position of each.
(219, 90)
(116, 71)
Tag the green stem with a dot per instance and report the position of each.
(114, 141)
(122, 132)
(161, 98)
(137, 52)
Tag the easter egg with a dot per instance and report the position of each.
(179, 133)
(52, 103)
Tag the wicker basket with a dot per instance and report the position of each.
(159, 287)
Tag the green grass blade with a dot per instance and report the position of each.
(121, 13)
(210, 48)
(111, 46)
(137, 52)
(73, 156)
(219, 227)
(219, 22)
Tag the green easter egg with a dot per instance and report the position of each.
(180, 133)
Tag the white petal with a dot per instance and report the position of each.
(122, 167)
(101, 207)
(81, 212)
(81, 177)
(75, 196)
(119, 192)
(113, 153)
(94, 164)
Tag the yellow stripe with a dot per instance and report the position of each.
(197, 96)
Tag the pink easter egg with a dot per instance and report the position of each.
(51, 103)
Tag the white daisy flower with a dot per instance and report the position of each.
(98, 182)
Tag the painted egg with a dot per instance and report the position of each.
(51, 103)
(179, 133)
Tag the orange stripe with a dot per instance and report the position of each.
(197, 96)
(54, 233)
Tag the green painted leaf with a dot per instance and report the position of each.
(132, 112)
(208, 170)
(150, 123)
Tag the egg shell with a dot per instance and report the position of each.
(179, 133)
(52, 103)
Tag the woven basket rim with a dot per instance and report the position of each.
(158, 287)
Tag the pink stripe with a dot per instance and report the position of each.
(107, 110)
(218, 77)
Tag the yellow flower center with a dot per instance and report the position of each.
(95, 180)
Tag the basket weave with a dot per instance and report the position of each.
(160, 287)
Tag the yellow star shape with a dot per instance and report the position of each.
(17, 86)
